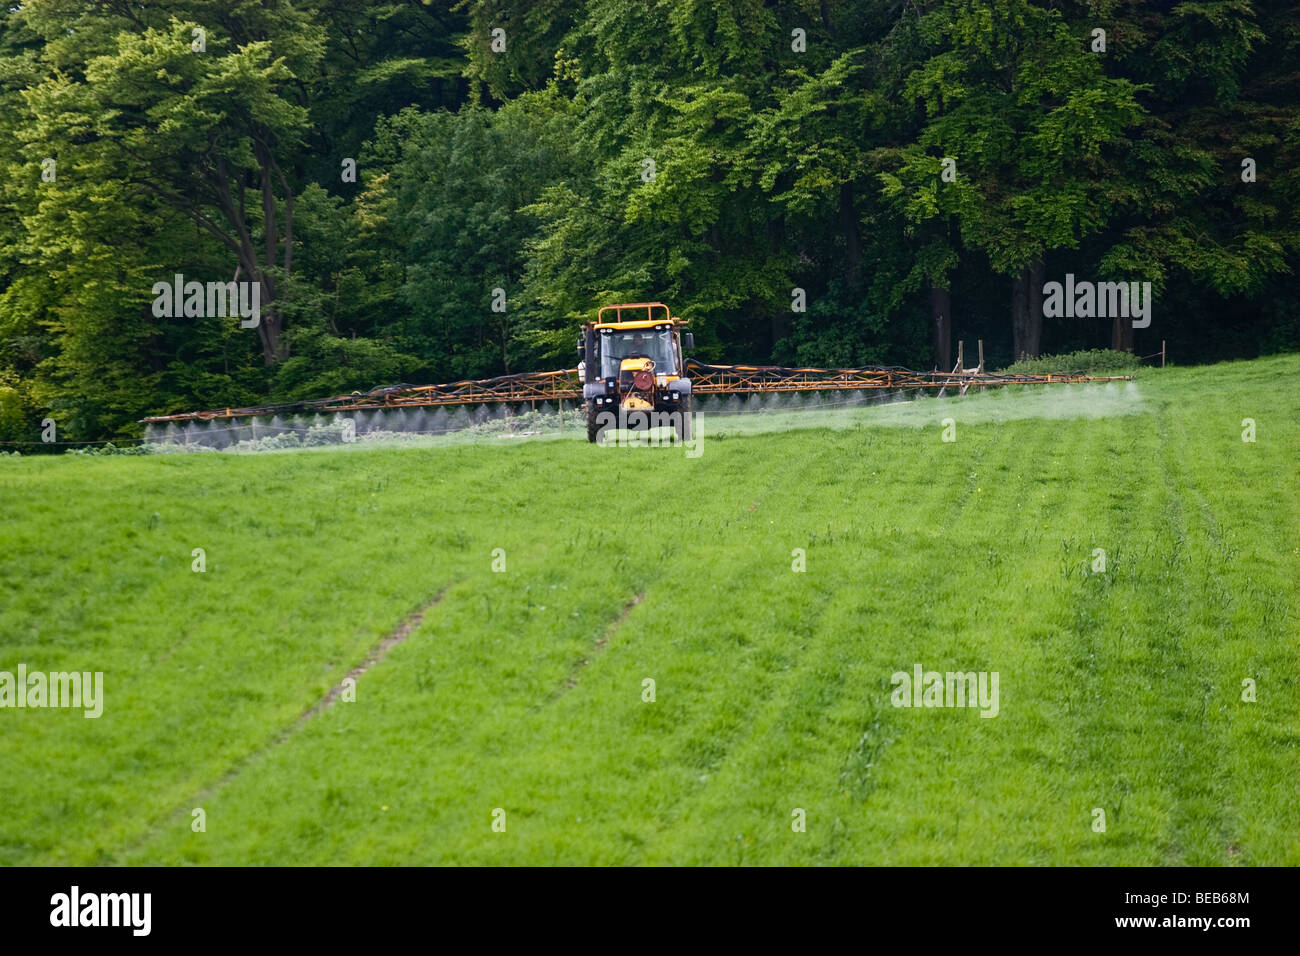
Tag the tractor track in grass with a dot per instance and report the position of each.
(610, 631)
(785, 486)
(373, 656)
(1166, 669)
(376, 654)
(572, 681)
(1092, 661)
(1180, 668)
(1217, 553)
(744, 502)
(785, 693)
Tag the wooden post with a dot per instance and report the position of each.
(981, 342)
(1162, 353)
(961, 356)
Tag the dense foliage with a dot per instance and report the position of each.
(833, 182)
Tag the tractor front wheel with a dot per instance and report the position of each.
(593, 429)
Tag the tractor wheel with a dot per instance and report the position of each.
(592, 428)
(684, 422)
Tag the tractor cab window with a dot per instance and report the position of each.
(654, 344)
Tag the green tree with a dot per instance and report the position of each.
(1012, 95)
(204, 114)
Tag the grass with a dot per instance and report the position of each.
(523, 690)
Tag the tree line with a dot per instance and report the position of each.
(425, 192)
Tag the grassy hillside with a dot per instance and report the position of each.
(523, 689)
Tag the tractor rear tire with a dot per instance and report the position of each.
(684, 421)
(593, 430)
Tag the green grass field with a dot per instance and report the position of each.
(523, 690)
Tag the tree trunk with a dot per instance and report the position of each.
(826, 18)
(270, 326)
(1027, 311)
(941, 327)
(229, 189)
(271, 330)
(1037, 268)
(1019, 298)
(1121, 334)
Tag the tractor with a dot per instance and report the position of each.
(632, 369)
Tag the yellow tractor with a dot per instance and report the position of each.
(633, 371)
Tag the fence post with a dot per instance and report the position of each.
(1162, 353)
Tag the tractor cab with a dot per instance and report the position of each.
(650, 348)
